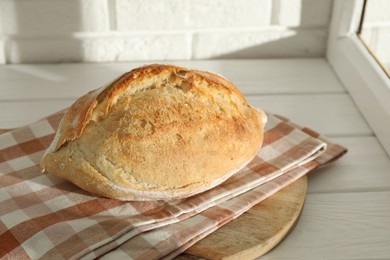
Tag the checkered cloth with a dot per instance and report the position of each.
(43, 216)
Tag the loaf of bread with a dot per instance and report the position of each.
(157, 132)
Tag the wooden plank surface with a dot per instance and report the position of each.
(18, 113)
(346, 215)
(365, 167)
(251, 76)
(330, 114)
(341, 226)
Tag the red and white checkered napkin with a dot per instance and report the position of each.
(43, 216)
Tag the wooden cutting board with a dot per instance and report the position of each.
(256, 231)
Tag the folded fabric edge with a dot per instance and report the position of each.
(189, 241)
(335, 149)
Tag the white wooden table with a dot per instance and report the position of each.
(347, 211)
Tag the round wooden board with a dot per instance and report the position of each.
(256, 231)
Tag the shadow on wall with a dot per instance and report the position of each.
(44, 32)
(299, 44)
(304, 40)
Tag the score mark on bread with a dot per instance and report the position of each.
(157, 132)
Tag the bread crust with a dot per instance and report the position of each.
(157, 132)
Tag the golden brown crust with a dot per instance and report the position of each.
(157, 132)
(80, 112)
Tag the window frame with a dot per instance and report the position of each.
(358, 70)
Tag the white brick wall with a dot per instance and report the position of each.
(301, 13)
(53, 17)
(121, 30)
(191, 14)
(103, 48)
(272, 43)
